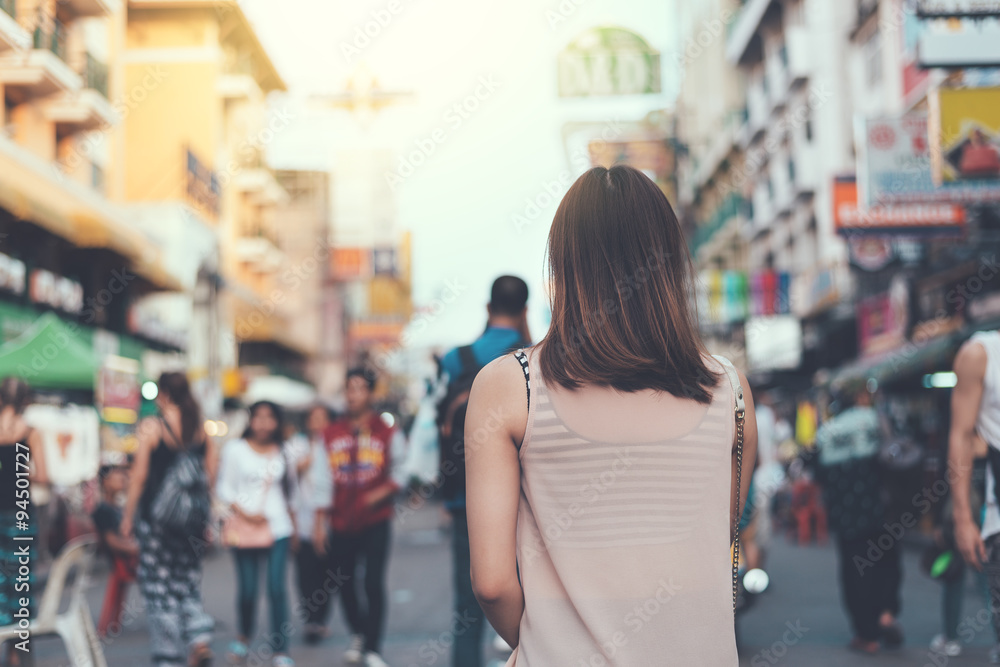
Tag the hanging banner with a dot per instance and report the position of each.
(770, 293)
(881, 324)
(722, 296)
(350, 263)
(965, 149)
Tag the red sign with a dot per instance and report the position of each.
(849, 218)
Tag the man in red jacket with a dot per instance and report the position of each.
(365, 456)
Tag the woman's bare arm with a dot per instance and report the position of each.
(749, 456)
(494, 424)
(149, 437)
(37, 448)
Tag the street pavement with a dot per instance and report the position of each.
(799, 621)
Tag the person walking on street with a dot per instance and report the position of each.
(122, 551)
(975, 408)
(365, 458)
(604, 464)
(19, 444)
(953, 581)
(506, 331)
(315, 590)
(848, 472)
(174, 458)
(255, 486)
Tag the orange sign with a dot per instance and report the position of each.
(849, 218)
(350, 263)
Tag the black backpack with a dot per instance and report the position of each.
(451, 423)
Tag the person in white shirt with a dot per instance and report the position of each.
(975, 408)
(308, 455)
(255, 485)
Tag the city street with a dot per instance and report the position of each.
(798, 622)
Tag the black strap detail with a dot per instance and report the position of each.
(467, 358)
(522, 358)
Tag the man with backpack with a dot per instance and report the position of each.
(506, 331)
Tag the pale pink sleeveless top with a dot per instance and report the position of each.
(623, 541)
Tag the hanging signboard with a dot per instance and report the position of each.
(879, 218)
(965, 150)
(117, 392)
(882, 323)
(609, 61)
(942, 9)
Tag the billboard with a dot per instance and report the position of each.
(849, 218)
(773, 342)
(609, 61)
(964, 125)
(895, 163)
(882, 322)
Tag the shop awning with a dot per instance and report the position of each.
(36, 191)
(911, 359)
(284, 391)
(51, 354)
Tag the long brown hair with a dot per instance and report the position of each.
(177, 389)
(622, 284)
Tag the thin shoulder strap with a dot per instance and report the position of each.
(739, 409)
(522, 359)
(173, 436)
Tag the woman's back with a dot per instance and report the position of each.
(623, 528)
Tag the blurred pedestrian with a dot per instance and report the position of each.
(167, 509)
(602, 462)
(352, 522)
(122, 551)
(20, 450)
(975, 408)
(315, 588)
(953, 579)
(255, 486)
(506, 331)
(870, 557)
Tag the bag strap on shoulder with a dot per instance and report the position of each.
(739, 410)
(522, 358)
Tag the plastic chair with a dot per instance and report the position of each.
(75, 626)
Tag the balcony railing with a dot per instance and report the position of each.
(732, 206)
(9, 6)
(51, 37)
(95, 75)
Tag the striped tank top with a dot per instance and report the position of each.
(622, 537)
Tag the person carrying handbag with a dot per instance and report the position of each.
(167, 507)
(254, 486)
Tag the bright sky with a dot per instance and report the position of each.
(461, 201)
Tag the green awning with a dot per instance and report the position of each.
(51, 354)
